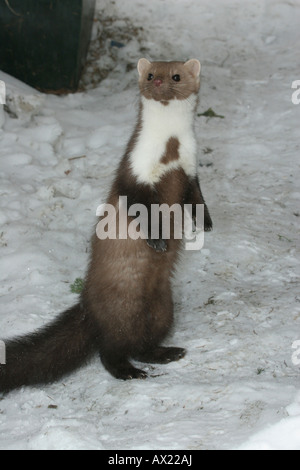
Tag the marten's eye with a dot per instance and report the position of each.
(150, 77)
(176, 78)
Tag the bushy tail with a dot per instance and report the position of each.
(50, 353)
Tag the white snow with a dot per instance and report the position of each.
(237, 301)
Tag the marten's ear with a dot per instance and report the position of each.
(194, 67)
(143, 65)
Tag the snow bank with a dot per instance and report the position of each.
(284, 435)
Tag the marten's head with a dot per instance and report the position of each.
(165, 81)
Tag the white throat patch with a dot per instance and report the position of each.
(159, 124)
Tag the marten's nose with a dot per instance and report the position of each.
(157, 82)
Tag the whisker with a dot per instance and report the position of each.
(174, 88)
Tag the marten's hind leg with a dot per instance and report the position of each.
(160, 317)
(161, 355)
(120, 367)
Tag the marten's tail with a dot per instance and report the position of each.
(50, 353)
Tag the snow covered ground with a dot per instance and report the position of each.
(237, 301)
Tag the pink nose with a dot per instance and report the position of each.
(157, 82)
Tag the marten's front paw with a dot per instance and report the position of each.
(208, 225)
(158, 245)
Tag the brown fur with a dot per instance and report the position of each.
(171, 152)
(126, 308)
